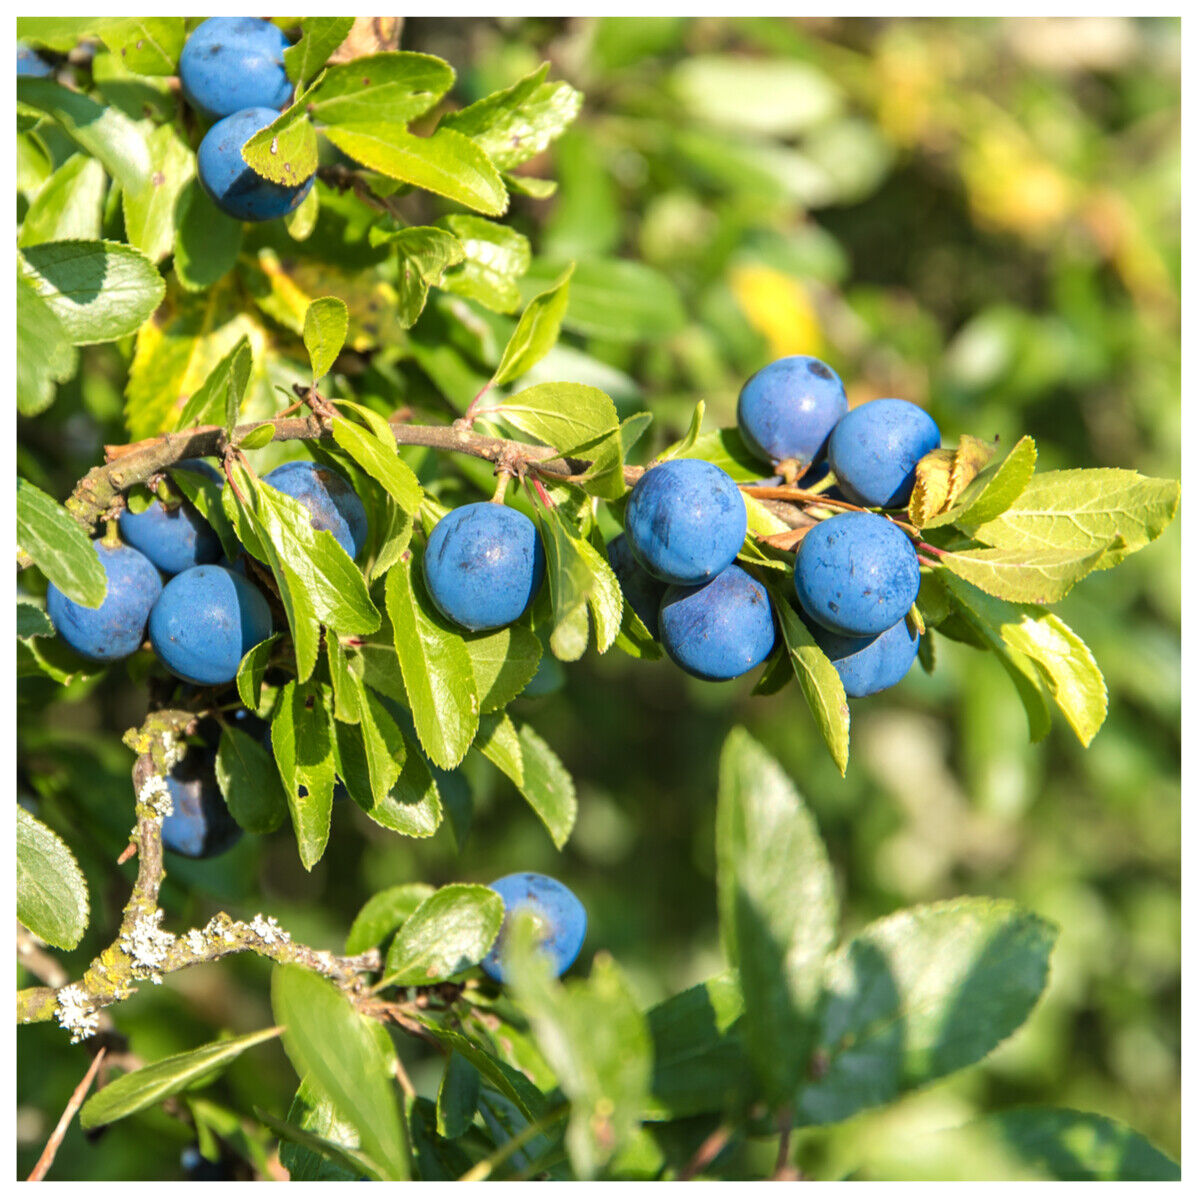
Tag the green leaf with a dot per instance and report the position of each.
(146, 45)
(59, 547)
(206, 494)
(32, 621)
(52, 895)
(595, 1039)
(285, 151)
(993, 491)
(423, 255)
(699, 1063)
(376, 453)
(302, 220)
(777, 907)
(445, 163)
(383, 914)
(44, 353)
(516, 124)
(448, 933)
(571, 581)
(99, 291)
(221, 391)
(725, 448)
(256, 439)
(1057, 1144)
(536, 331)
(333, 585)
(530, 185)
(152, 1084)
(535, 769)
(1022, 574)
(458, 1097)
(918, 995)
(329, 1042)
(391, 88)
(614, 298)
(104, 133)
(249, 782)
(150, 211)
(506, 1080)
(503, 661)
(436, 668)
(577, 421)
(251, 671)
(680, 448)
(319, 38)
(819, 680)
(1107, 512)
(317, 1144)
(494, 258)
(300, 740)
(1026, 634)
(326, 324)
(69, 205)
(207, 242)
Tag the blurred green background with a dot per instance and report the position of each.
(981, 216)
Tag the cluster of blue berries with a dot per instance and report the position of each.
(231, 72)
(857, 574)
(208, 614)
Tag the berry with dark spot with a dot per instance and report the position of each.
(331, 502)
(175, 538)
(483, 565)
(874, 450)
(686, 521)
(232, 63)
(720, 629)
(857, 574)
(560, 919)
(117, 628)
(643, 592)
(788, 409)
(205, 621)
(235, 187)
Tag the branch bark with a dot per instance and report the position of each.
(143, 951)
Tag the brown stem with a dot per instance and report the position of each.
(99, 491)
(707, 1151)
(46, 1158)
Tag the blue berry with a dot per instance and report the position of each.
(331, 502)
(236, 189)
(117, 628)
(200, 825)
(870, 665)
(173, 539)
(857, 574)
(231, 63)
(788, 409)
(643, 592)
(720, 629)
(874, 450)
(561, 918)
(205, 621)
(686, 521)
(483, 565)
(31, 64)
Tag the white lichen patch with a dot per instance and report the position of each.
(173, 750)
(195, 941)
(148, 944)
(154, 793)
(269, 930)
(76, 1014)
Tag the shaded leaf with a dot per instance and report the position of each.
(59, 547)
(52, 895)
(384, 913)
